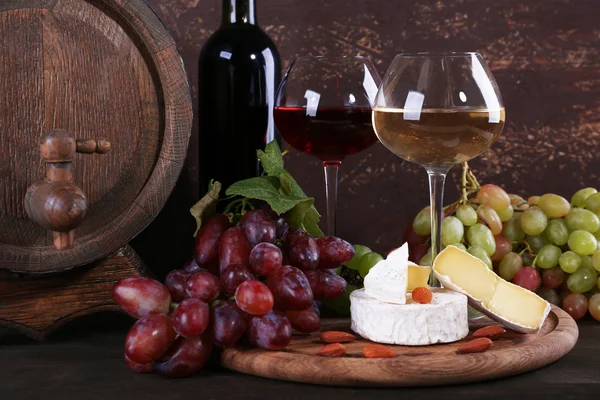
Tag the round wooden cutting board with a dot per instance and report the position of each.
(511, 354)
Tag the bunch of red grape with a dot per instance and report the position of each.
(545, 244)
(259, 279)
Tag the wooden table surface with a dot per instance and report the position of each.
(84, 361)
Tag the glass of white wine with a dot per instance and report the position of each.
(438, 110)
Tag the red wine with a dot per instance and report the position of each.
(331, 135)
(239, 70)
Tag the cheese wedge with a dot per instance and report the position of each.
(513, 306)
(418, 276)
(388, 280)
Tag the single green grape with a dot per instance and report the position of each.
(548, 256)
(480, 235)
(506, 214)
(586, 262)
(553, 205)
(452, 230)
(510, 265)
(512, 230)
(534, 221)
(460, 246)
(596, 260)
(481, 254)
(580, 218)
(368, 261)
(359, 251)
(426, 260)
(583, 280)
(580, 196)
(537, 242)
(422, 222)
(467, 215)
(592, 203)
(569, 261)
(582, 242)
(557, 232)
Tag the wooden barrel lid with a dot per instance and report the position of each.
(99, 69)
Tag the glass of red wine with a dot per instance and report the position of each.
(323, 108)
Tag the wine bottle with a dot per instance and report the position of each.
(239, 71)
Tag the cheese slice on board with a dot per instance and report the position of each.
(444, 320)
(513, 306)
(418, 276)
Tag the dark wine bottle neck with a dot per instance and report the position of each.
(239, 12)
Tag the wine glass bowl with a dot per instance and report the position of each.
(438, 110)
(323, 107)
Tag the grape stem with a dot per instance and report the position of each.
(469, 184)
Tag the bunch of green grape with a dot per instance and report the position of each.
(545, 244)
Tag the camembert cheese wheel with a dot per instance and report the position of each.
(444, 320)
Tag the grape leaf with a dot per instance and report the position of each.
(266, 188)
(271, 159)
(304, 215)
(207, 206)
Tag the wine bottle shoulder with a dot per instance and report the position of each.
(238, 42)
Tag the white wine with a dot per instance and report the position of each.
(437, 136)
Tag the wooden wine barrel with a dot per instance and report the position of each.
(98, 69)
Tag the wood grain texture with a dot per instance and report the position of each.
(105, 69)
(36, 305)
(511, 354)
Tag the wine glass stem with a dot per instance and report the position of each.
(437, 178)
(331, 190)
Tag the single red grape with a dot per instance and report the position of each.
(333, 252)
(575, 304)
(282, 227)
(503, 247)
(258, 227)
(233, 248)
(142, 368)
(149, 338)
(141, 297)
(553, 277)
(416, 254)
(192, 266)
(185, 357)
(207, 241)
(227, 324)
(191, 317)
(550, 295)
(325, 284)
(271, 331)
(204, 286)
(232, 275)
(254, 297)
(301, 250)
(265, 259)
(412, 238)
(528, 278)
(306, 321)
(269, 211)
(290, 288)
(176, 282)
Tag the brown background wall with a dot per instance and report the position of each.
(543, 53)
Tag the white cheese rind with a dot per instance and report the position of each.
(388, 280)
(444, 320)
